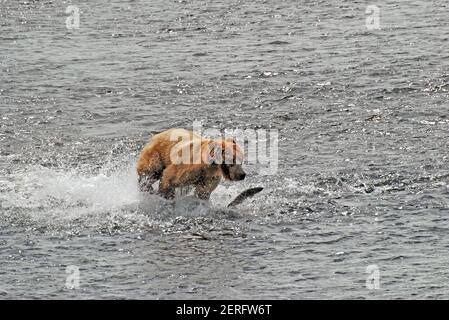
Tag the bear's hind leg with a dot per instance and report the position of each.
(166, 185)
(146, 182)
(149, 171)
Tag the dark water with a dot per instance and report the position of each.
(363, 124)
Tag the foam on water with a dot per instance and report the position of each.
(39, 187)
(63, 198)
(55, 196)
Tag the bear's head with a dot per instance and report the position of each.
(227, 154)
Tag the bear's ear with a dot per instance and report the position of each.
(212, 153)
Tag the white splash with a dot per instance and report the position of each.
(69, 192)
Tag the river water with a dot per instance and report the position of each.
(362, 180)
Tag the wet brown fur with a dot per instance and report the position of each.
(155, 163)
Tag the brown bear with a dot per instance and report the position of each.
(180, 158)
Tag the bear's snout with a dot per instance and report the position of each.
(241, 176)
(238, 174)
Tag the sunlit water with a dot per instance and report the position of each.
(363, 124)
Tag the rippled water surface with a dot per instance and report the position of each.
(363, 123)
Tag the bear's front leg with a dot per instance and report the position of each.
(175, 176)
(204, 189)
